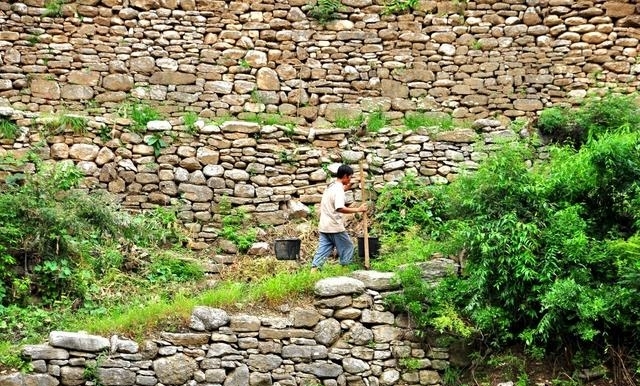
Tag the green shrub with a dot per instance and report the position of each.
(595, 117)
(53, 236)
(404, 205)
(550, 251)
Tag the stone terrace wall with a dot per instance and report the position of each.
(473, 59)
(348, 338)
(272, 172)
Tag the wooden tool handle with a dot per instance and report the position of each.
(365, 225)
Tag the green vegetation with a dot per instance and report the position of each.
(267, 119)
(8, 129)
(62, 122)
(414, 121)
(325, 11)
(394, 7)
(345, 121)
(189, 119)
(597, 116)
(53, 8)
(140, 113)
(33, 39)
(549, 250)
(234, 226)
(410, 363)
(156, 142)
(376, 120)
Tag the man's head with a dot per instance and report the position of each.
(344, 175)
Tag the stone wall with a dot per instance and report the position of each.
(272, 172)
(473, 59)
(346, 338)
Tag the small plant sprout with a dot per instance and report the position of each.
(189, 119)
(156, 142)
(325, 11)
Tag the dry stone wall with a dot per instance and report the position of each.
(272, 172)
(347, 337)
(473, 59)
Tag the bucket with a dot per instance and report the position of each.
(287, 249)
(374, 246)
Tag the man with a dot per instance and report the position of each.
(333, 233)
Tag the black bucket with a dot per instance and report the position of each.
(374, 247)
(287, 249)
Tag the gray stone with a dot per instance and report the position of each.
(238, 377)
(116, 377)
(264, 363)
(327, 331)
(78, 341)
(44, 351)
(379, 281)
(336, 286)
(208, 319)
(175, 370)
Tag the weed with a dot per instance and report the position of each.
(344, 121)
(234, 226)
(267, 119)
(410, 364)
(451, 376)
(156, 142)
(171, 269)
(8, 129)
(286, 157)
(394, 7)
(33, 39)
(105, 133)
(243, 63)
(62, 122)
(75, 123)
(140, 114)
(376, 120)
(414, 121)
(91, 371)
(475, 44)
(325, 11)
(189, 119)
(53, 8)
(256, 97)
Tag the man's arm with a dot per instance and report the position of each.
(346, 210)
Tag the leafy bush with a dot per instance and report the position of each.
(55, 240)
(549, 250)
(595, 117)
(404, 205)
